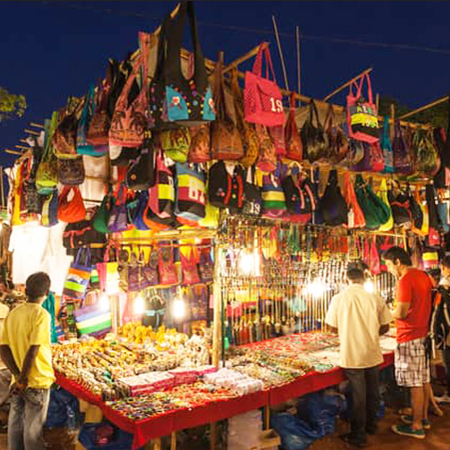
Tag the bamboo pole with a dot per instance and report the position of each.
(425, 107)
(12, 152)
(36, 125)
(348, 83)
(36, 133)
(2, 187)
(377, 101)
(280, 51)
(299, 78)
(213, 439)
(242, 59)
(23, 140)
(22, 147)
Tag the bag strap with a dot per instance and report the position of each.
(365, 76)
(329, 118)
(257, 66)
(314, 113)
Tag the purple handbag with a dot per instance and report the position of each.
(365, 164)
(118, 220)
(402, 155)
(150, 270)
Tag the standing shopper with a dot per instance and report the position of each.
(25, 349)
(412, 316)
(440, 324)
(359, 318)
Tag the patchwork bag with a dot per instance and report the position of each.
(167, 271)
(294, 146)
(71, 171)
(176, 143)
(189, 269)
(49, 214)
(263, 102)
(77, 279)
(362, 115)
(199, 149)
(93, 320)
(273, 198)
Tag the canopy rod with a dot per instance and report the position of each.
(423, 108)
(348, 83)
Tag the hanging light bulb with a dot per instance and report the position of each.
(249, 263)
(369, 286)
(316, 288)
(139, 305)
(178, 308)
(103, 302)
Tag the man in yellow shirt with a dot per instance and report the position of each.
(25, 349)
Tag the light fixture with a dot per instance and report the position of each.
(139, 305)
(369, 286)
(178, 308)
(316, 288)
(249, 262)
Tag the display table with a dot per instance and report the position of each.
(165, 424)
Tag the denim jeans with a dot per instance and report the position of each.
(27, 415)
(365, 394)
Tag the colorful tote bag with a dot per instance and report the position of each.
(94, 319)
(83, 148)
(386, 147)
(263, 102)
(174, 99)
(79, 275)
(362, 115)
(190, 193)
(273, 198)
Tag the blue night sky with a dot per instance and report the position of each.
(49, 50)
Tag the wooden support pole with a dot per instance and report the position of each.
(280, 51)
(299, 73)
(173, 441)
(12, 152)
(242, 59)
(425, 107)
(2, 187)
(36, 125)
(217, 321)
(377, 102)
(348, 83)
(23, 140)
(22, 147)
(266, 417)
(213, 435)
(157, 444)
(36, 133)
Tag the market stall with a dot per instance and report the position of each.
(195, 232)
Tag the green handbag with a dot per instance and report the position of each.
(47, 172)
(103, 213)
(176, 144)
(376, 212)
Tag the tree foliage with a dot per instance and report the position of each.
(11, 105)
(437, 115)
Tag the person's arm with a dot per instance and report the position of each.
(28, 362)
(383, 329)
(8, 359)
(384, 316)
(404, 297)
(331, 317)
(401, 310)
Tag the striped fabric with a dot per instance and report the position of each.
(92, 320)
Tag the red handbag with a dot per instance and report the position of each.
(263, 102)
(166, 267)
(73, 210)
(294, 146)
(189, 268)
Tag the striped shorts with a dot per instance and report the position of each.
(411, 368)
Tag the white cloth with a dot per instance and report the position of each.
(358, 316)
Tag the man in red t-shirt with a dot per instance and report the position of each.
(412, 314)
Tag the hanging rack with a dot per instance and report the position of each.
(348, 83)
(425, 107)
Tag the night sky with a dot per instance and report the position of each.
(49, 50)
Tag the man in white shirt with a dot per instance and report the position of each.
(359, 318)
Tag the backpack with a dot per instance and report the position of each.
(440, 319)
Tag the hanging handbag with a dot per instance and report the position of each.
(118, 218)
(189, 269)
(199, 149)
(190, 193)
(294, 146)
(101, 217)
(337, 142)
(247, 130)
(433, 216)
(365, 164)
(356, 217)
(77, 279)
(162, 194)
(313, 136)
(446, 149)
(400, 207)
(440, 180)
(332, 203)
(167, 271)
(175, 100)
(263, 102)
(427, 157)
(402, 158)
(81, 234)
(376, 212)
(300, 200)
(362, 115)
(97, 133)
(176, 143)
(141, 171)
(83, 148)
(267, 157)
(93, 320)
(71, 171)
(376, 158)
(64, 139)
(226, 141)
(383, 195)
(443, 209)
(355, 154)
(206, 266)
(47, 176)
(273, 198)
(149, 271)
(130, 120)
(226, 187)
(71, 210)
(277, 136)
(252, 195)
(49, 214)
(386, 147)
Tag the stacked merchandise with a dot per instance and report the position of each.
(244, 431)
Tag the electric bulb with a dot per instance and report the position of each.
(316, 288)
(369, 286)
(178, 309)
(249, 262)
(139, 305)
(103, 302)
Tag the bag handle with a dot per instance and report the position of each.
(257, 66)
(365, 76)
(314, 113)
(87, 256)
(329, 118)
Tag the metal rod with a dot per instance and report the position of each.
(423, 108)
(280, 51)
(348, 83)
